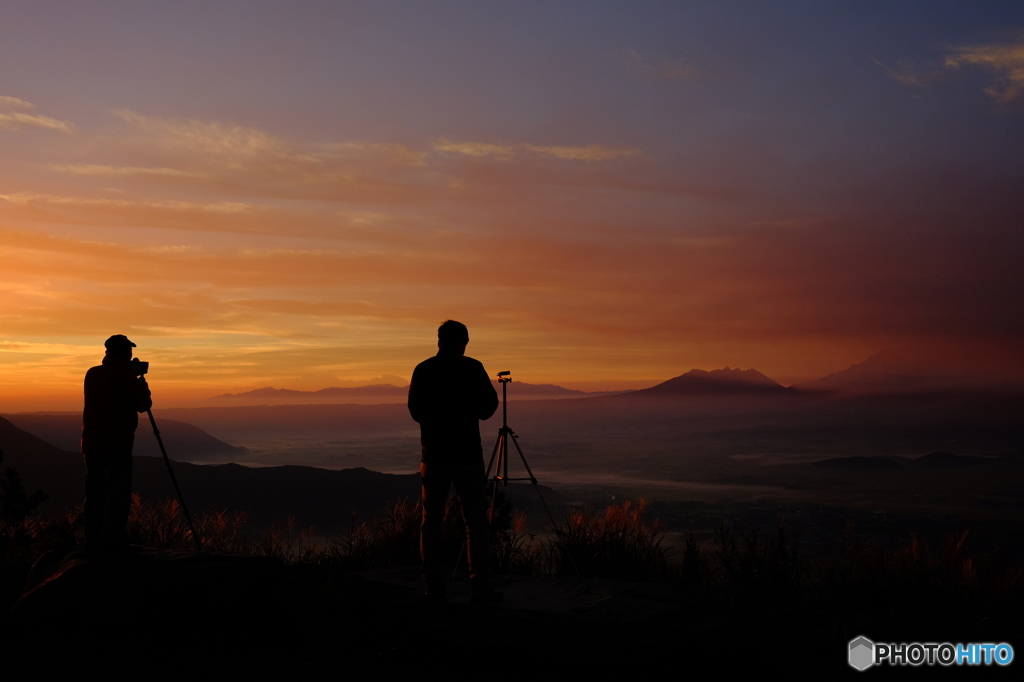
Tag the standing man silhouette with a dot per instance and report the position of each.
(449, 394)
(114, 395)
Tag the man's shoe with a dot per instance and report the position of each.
(489, 596)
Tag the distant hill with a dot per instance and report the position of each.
(321, 497)
(183, 441)
(377, 393)
(918, 370)
(717, 381)
(42, 466)
(382, 393)
(314, 496)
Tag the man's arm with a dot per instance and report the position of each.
(488, 397)
(417, 399)
(142, 396)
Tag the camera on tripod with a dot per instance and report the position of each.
(139, 368)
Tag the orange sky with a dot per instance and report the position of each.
(621, 219)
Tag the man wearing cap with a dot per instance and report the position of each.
(114, 396)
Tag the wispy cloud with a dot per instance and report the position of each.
(480, 149)
(1005, 59)
(594, 152)
(239, 147)
(906, 73)
(14, 104)
(16, 114)
(76, 202)
(235, 143)
(125, 171)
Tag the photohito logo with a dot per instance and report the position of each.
(863, 653)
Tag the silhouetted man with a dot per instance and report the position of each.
(114, 395)
(449, 395)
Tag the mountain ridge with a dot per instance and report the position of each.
(725, 381)
(385, 393)
(917, 370)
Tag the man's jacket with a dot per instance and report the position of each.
(449, 394)
(114, 396)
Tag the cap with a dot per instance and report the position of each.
(118, 341)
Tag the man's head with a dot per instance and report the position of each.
(452, 336)
(118, 346)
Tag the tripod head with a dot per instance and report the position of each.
(504, 377)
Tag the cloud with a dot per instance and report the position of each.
(592, 152)
(43, 211)
(239, 148)
(15, 115)
(479, 149)
(1006, 60)
(14, 104)
(120, 204)
(906, 73)
(234, 144)
(125, 171)
(215, 158)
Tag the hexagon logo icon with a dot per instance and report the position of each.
(862, 653)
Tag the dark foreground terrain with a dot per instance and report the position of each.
(604, 596)
(231, 618)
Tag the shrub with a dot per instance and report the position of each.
(620, 544)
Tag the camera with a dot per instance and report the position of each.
(139, 368)
(504, 377)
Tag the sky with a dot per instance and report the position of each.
(295, 194)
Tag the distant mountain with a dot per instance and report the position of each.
(725, 381)
(183, 441)
(918, 370)
(377, 393)
(382, 393)
(517, 390)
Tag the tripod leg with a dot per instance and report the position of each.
(504, 456)
(498, 448)
(167, 461)
(533, 480)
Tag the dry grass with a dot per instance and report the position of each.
(620, 543)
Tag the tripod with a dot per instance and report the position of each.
(167, 461)
(499, 456)
(499, 464)
(499, 461)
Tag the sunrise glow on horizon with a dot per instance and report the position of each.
(608, 195)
